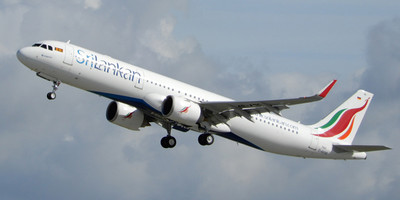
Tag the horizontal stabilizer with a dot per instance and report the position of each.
(360, 148)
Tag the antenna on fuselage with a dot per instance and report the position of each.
(68, 41)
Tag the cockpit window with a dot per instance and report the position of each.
(44, 46)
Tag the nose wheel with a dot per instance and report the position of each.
(52, 95)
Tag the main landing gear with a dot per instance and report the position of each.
(206, 139)
(52, 95)
(170, 142)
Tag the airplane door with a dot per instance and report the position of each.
(69, 54)
(139, 79)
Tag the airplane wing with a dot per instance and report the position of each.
(220, 112)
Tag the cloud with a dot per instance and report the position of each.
(11, 36)
(162, 42)
(65, 149)
(92, 4)
(383, 75)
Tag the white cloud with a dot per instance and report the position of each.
(162, 42)
(92, 4)
(69, 138)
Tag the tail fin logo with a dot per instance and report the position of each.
(346, 119)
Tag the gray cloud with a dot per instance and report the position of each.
(383, 75)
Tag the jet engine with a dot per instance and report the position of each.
(181, 110)
(125, 115)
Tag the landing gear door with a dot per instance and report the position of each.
(139, 79)
(69, 54)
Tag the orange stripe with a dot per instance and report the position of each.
(344, 136)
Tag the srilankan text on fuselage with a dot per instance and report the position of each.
(95, 61)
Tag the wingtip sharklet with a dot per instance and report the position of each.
(326, 89)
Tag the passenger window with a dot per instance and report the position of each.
(50, 48)
(44, 46)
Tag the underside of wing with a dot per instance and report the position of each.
(222, 111)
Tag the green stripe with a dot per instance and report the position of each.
(333, 120)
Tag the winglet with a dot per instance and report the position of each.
(326, 89)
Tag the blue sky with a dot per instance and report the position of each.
(246, 50)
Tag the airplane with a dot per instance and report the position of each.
(140, 97)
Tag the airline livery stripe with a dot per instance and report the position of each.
(343, 123)
(344, 136)
(333, 120)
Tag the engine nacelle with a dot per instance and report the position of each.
(125, 115)
(181, 110)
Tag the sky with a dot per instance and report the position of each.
(246, 50)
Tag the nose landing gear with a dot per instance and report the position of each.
(52, 95)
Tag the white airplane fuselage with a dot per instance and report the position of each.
(146, 90)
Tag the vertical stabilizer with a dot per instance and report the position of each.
(342, 124)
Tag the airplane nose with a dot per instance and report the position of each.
(24, 55)
(21, 54)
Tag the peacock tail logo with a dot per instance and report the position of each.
(185, 109)
(342, 120)
(129, 116)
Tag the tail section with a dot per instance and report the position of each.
(342, 124)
